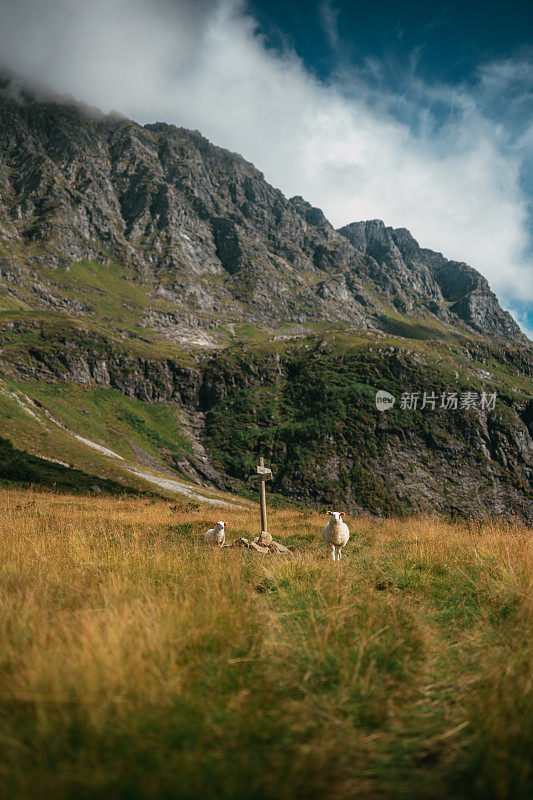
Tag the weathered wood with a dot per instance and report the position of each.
(264, 543)
(264, 474)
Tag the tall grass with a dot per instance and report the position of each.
(135, 663)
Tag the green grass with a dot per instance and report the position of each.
(108, 420)
(111, 418)
(107, 288)
(47, 328)
(400, 325)
(114, 299)
(106, 417)
(310, 403)
(19, 468)
(11, 303)
(137, 664)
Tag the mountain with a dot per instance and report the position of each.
(202, 226)
(143, 265)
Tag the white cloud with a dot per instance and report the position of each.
(524, 319)
(329, 18)
(354, 149)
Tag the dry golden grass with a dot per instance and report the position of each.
(137, 663)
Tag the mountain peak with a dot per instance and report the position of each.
(203, 225)
(143, 266)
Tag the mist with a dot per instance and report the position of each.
(349, 146)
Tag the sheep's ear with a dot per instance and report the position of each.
(330, 512)
(342, 514)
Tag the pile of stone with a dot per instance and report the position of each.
(261, 544)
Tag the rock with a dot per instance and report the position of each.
(242, 542)
(258, 548)
(273, 547)
(265, 539)
(201, 226)
(280, 548)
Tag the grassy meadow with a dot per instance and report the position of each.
(135, 663)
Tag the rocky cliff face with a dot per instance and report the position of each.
(202, 226)
(309, 408)
(414, 276)
(148, 262)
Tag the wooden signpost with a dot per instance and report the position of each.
(264, 474)
(263, 543)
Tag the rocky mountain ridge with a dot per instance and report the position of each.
(158, 297)
(308, 407)
(204, 229)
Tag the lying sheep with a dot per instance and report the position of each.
(336, 534)
(216, 536)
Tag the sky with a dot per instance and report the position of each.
(416, 113)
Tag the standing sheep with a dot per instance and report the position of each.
(216, 536)
(336, 534)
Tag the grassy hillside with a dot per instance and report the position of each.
(310, 408)
(137, 664)
(17, 467)
(60, 438)
(306, 404)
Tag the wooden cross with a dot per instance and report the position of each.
(264, 474)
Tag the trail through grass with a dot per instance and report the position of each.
(135, 663)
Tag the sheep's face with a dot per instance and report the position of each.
(337, 515)
(221, 525)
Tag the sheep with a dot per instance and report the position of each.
(216, 536)
(336, 534)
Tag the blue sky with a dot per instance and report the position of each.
(415, 113)
(449, 39)
(442, 44)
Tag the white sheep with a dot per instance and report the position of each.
(336, 534)
(216, 536)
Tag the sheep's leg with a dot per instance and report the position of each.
(333, 552)
(339, 553)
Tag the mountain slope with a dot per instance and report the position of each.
(202, 231)
(159, 298)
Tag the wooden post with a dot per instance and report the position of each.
(264, 474)
(262, 498)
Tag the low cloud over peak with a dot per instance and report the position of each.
(433, 159)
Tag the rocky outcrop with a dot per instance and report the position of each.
(309, 408)
(327, 442)
(418, 278)
(78, 185)
(126, 250)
